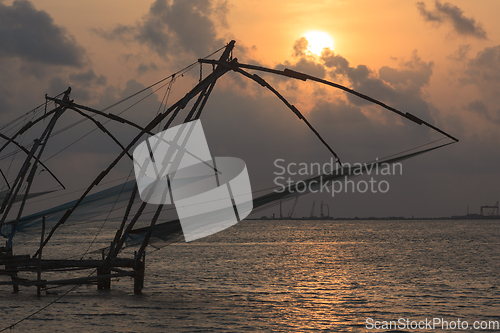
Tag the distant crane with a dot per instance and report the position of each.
(312, 209)
(290, 214)
(490, 210)
(326, 205)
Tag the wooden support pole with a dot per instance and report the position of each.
(117, 242)
(102, 270)
(39, 273)
(205, 99)
(139, 274)
(13, 275)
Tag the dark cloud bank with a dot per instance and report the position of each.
(176, 26)
(32, 35)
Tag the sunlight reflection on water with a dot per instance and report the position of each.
(283, 276)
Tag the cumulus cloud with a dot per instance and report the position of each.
(399, 87)
(483, 72)
(304, 65)
(175, 26)
(304, 62)
(481, 109)
(340, 66)
(32, 35)
(452, 14)
(414, 72)
(485, 66)
(299, 47)
(88, 77)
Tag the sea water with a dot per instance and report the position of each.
(283, 276)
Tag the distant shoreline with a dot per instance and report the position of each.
(390, 218)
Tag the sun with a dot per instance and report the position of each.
(318, 40)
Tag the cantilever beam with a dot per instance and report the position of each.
(102, 128)
(73, 106)
(303, 77)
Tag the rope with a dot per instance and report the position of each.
(405, 151)
(164, 101)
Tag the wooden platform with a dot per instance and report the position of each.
(103, 271)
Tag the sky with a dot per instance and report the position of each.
(438, 60)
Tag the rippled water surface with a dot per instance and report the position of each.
(283, 276)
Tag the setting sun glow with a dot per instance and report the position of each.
(318, 40)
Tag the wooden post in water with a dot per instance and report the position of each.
(39, 275)
(105, 283)
(139, 273)
(13, 267)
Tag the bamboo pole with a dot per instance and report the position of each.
(103, 270)
(39, 275)
(13, 276)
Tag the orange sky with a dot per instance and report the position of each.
(368, 32)
(373, 33)
(391, 38)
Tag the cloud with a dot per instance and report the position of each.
(461, 53)
(414, 72)
(143, 68)
(88, 77)
(32, 35)
(427, 15)
(175, 26)
(450, 13)
(304, 65)
(340, 66)
(483, 72)
(300, 47)
(304, 62)
(485, 67)
(481, 109)
(399, 87)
